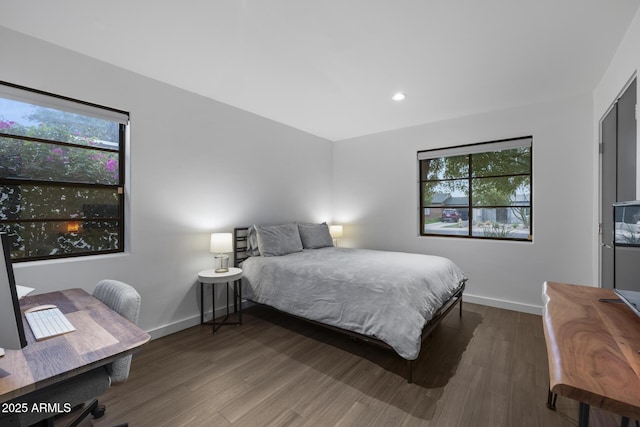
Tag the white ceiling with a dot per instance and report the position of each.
(330, 67)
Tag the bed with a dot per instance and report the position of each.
(392, 299)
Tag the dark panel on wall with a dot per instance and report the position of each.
(628, 268)
(609, 128)
(627, 145)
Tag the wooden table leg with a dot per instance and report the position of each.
(551, 400)
(583, 415)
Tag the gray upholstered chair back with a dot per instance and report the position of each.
(125, 300)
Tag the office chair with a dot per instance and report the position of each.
(125, 301)
(122, 299)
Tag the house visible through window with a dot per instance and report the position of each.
(480, 190)
(61, 175)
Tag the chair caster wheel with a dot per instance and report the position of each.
(98, 411)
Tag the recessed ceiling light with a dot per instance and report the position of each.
(399, 96)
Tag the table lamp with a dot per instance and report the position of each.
(221, 243)
(336, 233)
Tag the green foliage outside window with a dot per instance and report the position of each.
(60, 183)
(488, 191)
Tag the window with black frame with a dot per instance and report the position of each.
(478, 191)
(61, 175)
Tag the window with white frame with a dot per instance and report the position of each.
(61, 175)
(478, 191)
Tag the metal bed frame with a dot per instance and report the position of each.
(240, 254)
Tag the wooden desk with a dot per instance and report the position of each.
(593, 349)
(101, 336)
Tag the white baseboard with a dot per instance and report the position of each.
(171, 328)
(507, 305)
(189, 322)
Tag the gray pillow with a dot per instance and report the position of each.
(278, 240)
(315, 236)
(252, 241)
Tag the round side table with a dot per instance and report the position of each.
(211, 277)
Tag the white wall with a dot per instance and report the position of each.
(196, 166)
(376, 198)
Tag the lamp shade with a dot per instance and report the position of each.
(335, 231)
(221, 242)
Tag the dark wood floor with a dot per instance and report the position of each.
(488, 368)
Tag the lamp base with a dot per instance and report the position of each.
(221, 263)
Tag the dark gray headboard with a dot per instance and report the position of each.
(240, 245)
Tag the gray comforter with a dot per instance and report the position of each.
(386, 295)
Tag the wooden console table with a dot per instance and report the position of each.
(593, 349)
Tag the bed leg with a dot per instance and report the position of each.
(410, 371)
(460, 303)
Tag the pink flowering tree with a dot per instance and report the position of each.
(77, 212)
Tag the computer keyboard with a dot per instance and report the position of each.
(48, 323)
